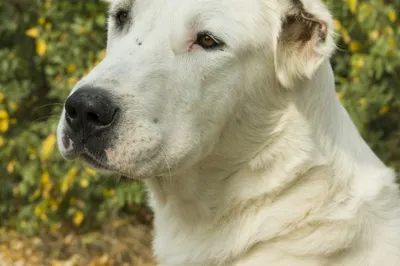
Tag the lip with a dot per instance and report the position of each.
(96, 163)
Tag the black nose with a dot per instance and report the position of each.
(90, 110)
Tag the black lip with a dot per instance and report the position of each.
(92, 151)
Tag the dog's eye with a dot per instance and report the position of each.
(121, 17)
(207, 41)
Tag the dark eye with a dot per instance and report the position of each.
(207, 41)
(122, 17)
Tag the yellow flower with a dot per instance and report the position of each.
(53, 205)
(358, 62)
(64, 187)
(32, 32)
(72, 80)
(384, 109)
(374, 35)
(12, 105)
(47, 189)
(109, 192)
(48, 26)
(337, 25)
(340, 95)
(363, 101)
(355, 46)
(10, 167)
(45, 178)
(90, 172)
(392, 16)
(2, 97)
(71, 68)
(38, 210)
(35, 195)
(352, 5)
(346, 37)
(71, 174)
(2, 141)
(102, 54)
(32, 153)
(43, 217)
(78, 218)
(68, 179)
(84, 183)
(41, 20)
(47, 147)
(41, 47)
(4, 121)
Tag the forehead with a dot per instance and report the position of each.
(254, 20)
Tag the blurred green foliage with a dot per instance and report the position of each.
(47, 45)
(367, 69)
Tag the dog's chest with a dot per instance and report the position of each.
(178, 244)
(190, 234)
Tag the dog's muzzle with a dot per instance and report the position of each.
(90, 115)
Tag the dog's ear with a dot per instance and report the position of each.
(304, 42)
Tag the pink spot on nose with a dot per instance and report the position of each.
(109, 152)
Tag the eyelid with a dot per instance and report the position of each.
(216, 39)
(115, 17)
(117, 12)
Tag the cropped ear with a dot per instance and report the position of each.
(304, 42)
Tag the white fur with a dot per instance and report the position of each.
(253, 160)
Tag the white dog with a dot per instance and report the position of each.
(227, 110)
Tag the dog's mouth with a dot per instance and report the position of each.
(99, 165)
(94, 162)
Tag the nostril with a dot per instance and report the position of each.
(71, 111)
(88, 110)
(93, 117)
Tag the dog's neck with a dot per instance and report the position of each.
(304, 134)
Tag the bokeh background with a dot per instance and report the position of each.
(54, 212)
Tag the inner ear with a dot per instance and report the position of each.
(303, 28)
(302, 45)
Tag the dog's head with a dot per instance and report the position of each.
(176, 72)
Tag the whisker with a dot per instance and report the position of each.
(166, 161)
(148, 166)
(45, 117)
(148, 157)
(105, 178)
(118, 179)
(45, 105)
